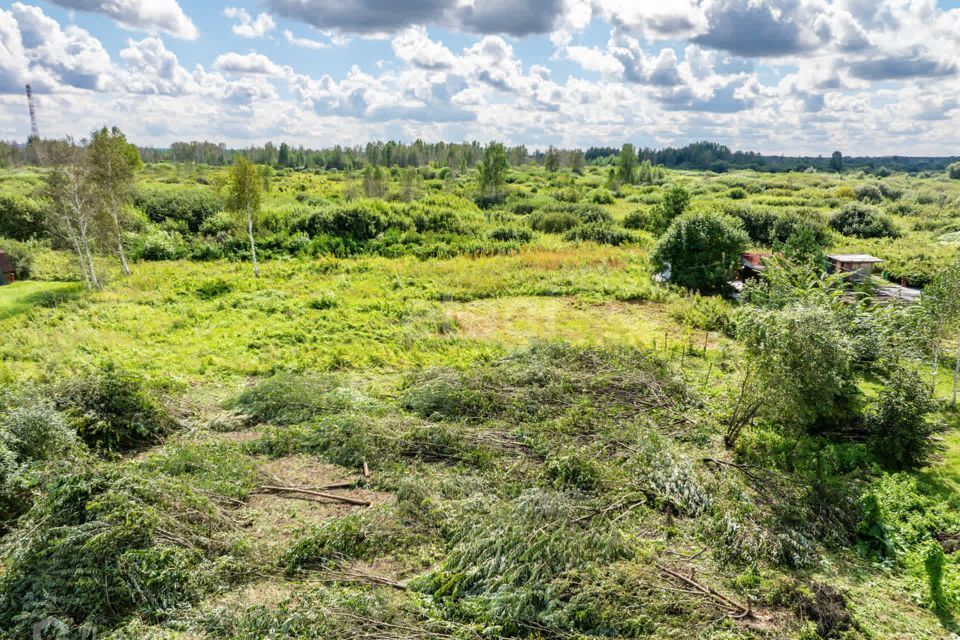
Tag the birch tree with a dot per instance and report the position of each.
(71, 188)
(941, 302)
(243, 199)
(114, 164)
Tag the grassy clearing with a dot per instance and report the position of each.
(26, 296)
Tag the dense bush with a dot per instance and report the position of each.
(769, 226)
(599, 232)
(112, 412)
(953, 171)
(869, 193)
(510, 234)
(901, 429)
(863, 221)
(189, 207)
(20, 218)
(21, 255)
(701, 250)
(553, 221)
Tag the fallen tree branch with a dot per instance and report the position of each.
(734, 609)
(274, 489)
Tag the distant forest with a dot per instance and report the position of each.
(703, 156)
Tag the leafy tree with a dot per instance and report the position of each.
(374, 182)
(75, 200)
(551, 160)
(283, 156)
(493, 170)
(941, 310)
(803, 246)
(836, 162)
(243, 199)
(577, 161)
(803, 352)
(627, 171)
(863, 221)
(114, 164)
(701, 250)
(953, 171)
(900, 428)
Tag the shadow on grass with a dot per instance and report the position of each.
(52, 296)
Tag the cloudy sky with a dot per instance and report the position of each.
(778, 76)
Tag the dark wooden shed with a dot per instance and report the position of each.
(7, 274)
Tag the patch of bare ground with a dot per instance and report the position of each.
(276, 517)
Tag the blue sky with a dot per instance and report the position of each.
(779, 76)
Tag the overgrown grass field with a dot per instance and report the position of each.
(447, 421)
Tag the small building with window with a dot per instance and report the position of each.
(860, 266)
(7, 273)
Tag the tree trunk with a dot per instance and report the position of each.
(83, 263)
(253, 246)
(936, 360)
(956, 374)
(116, 224)
(89, 257)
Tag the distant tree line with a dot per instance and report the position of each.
(704, 156)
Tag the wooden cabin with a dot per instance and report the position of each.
(859, 265)
(7, 274)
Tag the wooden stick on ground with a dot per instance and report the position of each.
(318, 494)
(735, 609)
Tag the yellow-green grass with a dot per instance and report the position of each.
(191, 322)
(27, 295)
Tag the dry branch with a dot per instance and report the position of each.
(734, 609)
(274, 489)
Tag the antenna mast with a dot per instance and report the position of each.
(34, 130)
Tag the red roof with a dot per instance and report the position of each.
(754, 258)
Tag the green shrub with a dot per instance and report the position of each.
(934, 563)
(510, 234)
(553, 221)
(112, 412)
(602, 196)
(737, 193)
(640, 219)
(21, 255)
(863, 222)
(953, 171)
(901, 429)
(20, 218)
(599, 232)
(189, 206)
(159, 245)
(701, 251)
(869, 193)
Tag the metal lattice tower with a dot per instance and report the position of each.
(34, 130)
